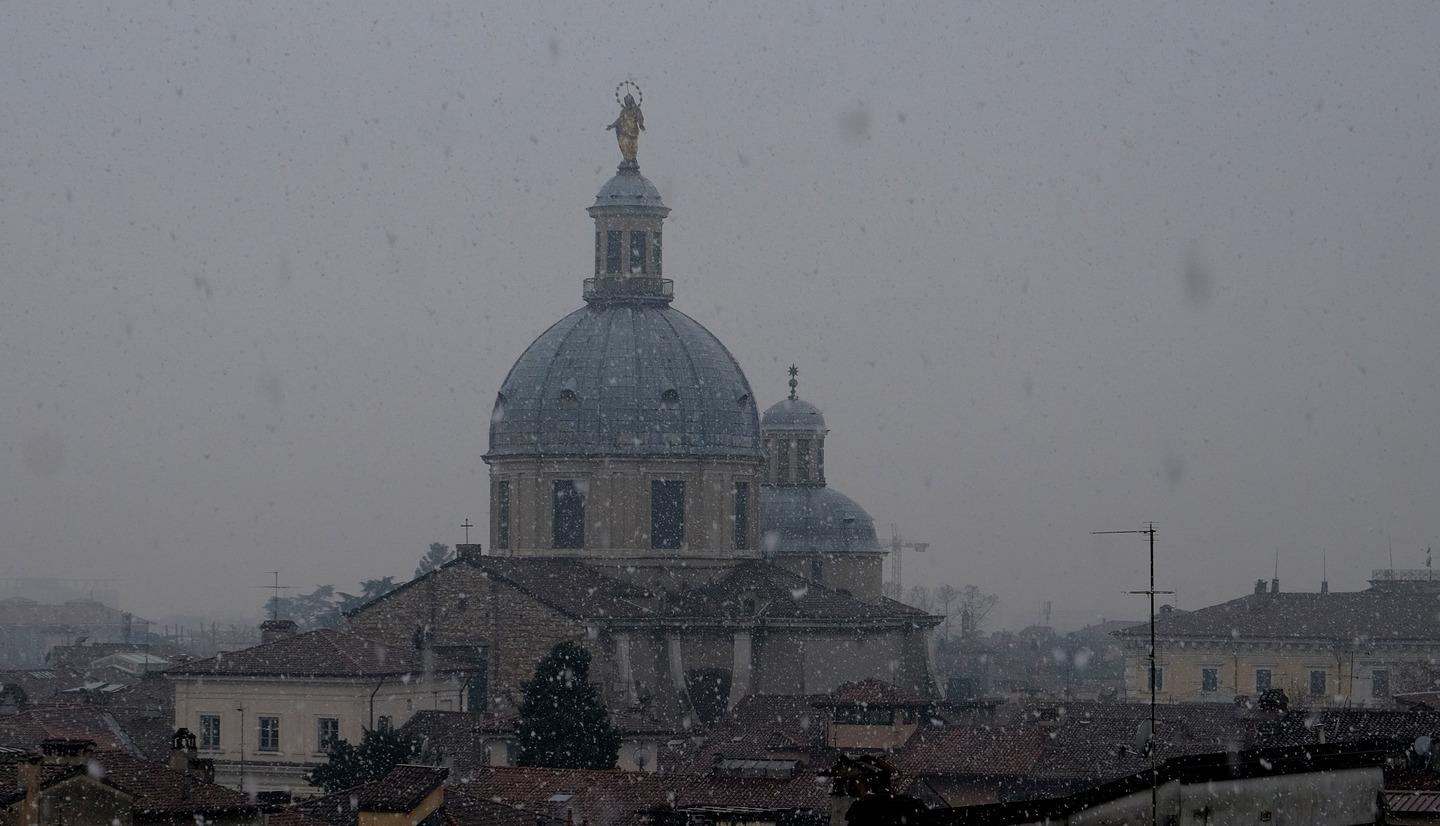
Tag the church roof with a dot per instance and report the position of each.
(793, 414)
(625, 379)
(322, 653)
(767, 591)
(583, 591)
(629, 189)
(810, 519)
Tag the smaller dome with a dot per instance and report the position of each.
(629, 189)
(793, 414)
(799, 519)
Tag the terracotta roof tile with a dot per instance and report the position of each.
(322, 653)
(1376, 615)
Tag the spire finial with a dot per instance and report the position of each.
(794, 382)
(630, 123)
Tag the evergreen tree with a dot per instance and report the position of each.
(347, 766)
(563, 723)
(438, 555)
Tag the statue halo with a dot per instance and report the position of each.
(639, 95)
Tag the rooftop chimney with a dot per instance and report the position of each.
(277, 629)
(67, 751)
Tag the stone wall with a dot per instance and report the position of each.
(460, 605)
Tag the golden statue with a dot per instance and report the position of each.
(630, 123)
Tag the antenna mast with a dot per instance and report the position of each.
(1149, 530)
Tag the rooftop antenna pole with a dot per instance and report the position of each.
(1149, 530)
(275, 588)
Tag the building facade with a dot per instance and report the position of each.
(266, 715)
(1326, 648)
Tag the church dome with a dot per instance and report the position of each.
(626, 378)
(793, 414)
(807, 519)
(629, 189)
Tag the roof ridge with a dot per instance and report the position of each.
(333, 642)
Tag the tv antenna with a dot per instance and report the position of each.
(1149, 530)
(275, 588)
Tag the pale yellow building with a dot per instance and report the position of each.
(1355, 648)
(267, 714)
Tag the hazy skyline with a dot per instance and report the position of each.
(1047, 269)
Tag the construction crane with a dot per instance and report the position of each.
(898, 545)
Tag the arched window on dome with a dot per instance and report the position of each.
(568, 399)
(567, 528)
(667, 514)
(612, 251)
(742, 516)
(637, 252)
(670, 399)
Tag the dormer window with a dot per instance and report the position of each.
(670, 399)
(498, 414)
(568, 399)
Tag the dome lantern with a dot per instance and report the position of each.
(629, 215)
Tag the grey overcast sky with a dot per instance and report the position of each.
(1048, 269)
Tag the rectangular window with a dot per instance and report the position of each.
(1262, 680)
(209, 731)
(1380, 683)
(1209, 679)
(568, 530)
(667, 514)
(782, 460)
(502, 514)
(655, 255)
(612, 251)
(327, 733)
(269, 734)
(599, 253)
(637, 253)
(802, 460)
(1157, 679)
(742, 516)
(1317, 683)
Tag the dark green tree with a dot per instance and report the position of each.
(438, 555)
(347, 766)
(316, 609)
(562, 722)
(369, 589)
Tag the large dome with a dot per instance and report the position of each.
(626, 379)
(807, 519)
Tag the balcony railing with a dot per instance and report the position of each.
(629, 287)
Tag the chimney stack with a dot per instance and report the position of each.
(277, 629)
(67, 751)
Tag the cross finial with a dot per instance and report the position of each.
(467, 526)
(794, 382)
